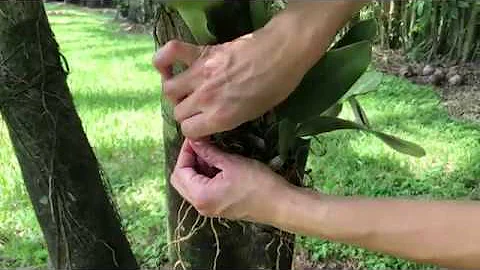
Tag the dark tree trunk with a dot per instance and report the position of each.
(94, 3)
(140, 11)
(79, 222)
(217, 243)
(72, 1)
(471, 28)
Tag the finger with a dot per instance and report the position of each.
(197, 126)
(188, 182)
(175, 51)
(187, 108)
(178, 87)
(187, 156)
(209, 153)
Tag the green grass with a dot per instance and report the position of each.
(359, 164)
(117, 94)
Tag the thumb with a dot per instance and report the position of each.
(210, 154)
(175, 51)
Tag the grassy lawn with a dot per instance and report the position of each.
(117, 94)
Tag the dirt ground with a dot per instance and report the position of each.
(461, 97)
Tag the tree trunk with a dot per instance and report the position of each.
(79, 222)
(94, 3)
(413, 20)
(471, 28)
(140, 11)
(383, 22)
(218, 243)
(72, 1)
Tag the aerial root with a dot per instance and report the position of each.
(200, 223)
(217, 244)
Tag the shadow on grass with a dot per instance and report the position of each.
(110, 52)
(116, 100)
(128, 163)
(135, 171)
(343, 171)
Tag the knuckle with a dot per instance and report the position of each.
(167, 88)
(224, 118)
(177, 114)
(173, 45)
(205, 96)
(173, 177)
(188, 130)
(204, 206)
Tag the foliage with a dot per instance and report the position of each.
(321, 88)
(363, 167)
(431, 29)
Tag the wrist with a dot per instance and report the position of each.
(309, 27)
(297, 209)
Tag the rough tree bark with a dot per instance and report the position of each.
(79, 222)
(217, 243)
(471, 28)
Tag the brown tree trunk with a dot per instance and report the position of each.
(79, 222)
(471, 28)
(217, 243)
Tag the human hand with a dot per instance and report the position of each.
(224, 185)
(229, 84)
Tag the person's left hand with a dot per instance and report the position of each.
(228, 84)
(225, 185)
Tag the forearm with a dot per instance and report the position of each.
(311, 25)
(443, 233)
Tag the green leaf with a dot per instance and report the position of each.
(363, 30)
(286, 138)
(324, 124)
(326, 82)
(194, 15)
(260, 13)
(367, 83)
(334, 111)
(360, 115)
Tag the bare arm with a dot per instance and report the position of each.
(436, 232)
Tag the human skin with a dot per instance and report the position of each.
(229, 84)
(443, 233)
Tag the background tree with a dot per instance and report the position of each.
(447, 30)
(63, 179)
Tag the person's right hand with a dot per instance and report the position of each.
(231, 83)
(219, 184)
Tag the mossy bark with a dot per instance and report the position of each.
(241, 245)
(63, 179)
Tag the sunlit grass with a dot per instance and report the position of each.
(359, 164)
(117, 94)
